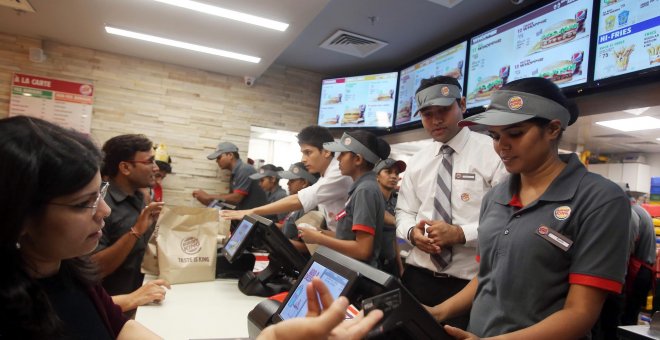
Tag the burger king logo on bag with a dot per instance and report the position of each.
(191, 245)
(563, 212)
(445, 91)
(515, 103)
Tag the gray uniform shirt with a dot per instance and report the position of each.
(645, 245)
(364, 211)
(241, 183)
(523, 277)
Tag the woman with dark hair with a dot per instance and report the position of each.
(52, 211)
(552, 238)
(360, 226)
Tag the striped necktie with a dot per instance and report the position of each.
(442, 203)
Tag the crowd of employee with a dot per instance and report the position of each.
(507, 235)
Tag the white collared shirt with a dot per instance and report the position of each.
(476, 169)
(329, 194)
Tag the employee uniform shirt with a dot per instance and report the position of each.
(364, 211)
(125, 211)
(389, 230)
(289, 225)
(329, 194)
(241, 183)
(645, 245)
(273, 196)
(476, 169)
(523, 276)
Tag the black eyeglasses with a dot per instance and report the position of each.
(95, 206)
(151, 160)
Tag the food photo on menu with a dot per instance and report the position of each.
(551, 42)
(449, 62)
(628, 37)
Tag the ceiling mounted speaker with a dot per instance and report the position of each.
(37, 55)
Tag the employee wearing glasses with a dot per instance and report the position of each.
(129, 166)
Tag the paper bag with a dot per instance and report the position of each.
(313, 219)
(187, 246)
(150, 259)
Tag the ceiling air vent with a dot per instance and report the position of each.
(352, 44)
(447, 3)
(19, 5)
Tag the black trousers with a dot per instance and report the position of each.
(637, 298)
(431, 290)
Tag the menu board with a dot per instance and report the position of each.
(550, 42)
(67, 104)
(628, 37)
(449, 62)
(362, 101)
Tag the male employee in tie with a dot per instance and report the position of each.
(440, 197)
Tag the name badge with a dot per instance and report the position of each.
(340, 215)
(465, 176)
(555, 238)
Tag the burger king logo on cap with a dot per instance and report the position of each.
(543, 230)
(261, 171)
(296, 170)
(465, 197)
(515, 103)
(445, 91)
(563, 212)
(347, 141)
(191, 245)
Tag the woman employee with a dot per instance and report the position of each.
(52, 211)
(552, 238)
(360, 225)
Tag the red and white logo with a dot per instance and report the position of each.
(465, 197)
(562, 213)
(191, 245)
(515, 103)
(445, 91)
(85, 89)
(543, 230)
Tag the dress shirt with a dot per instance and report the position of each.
(329, 193)
(476, 169)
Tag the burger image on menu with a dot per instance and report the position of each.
(486, 86)
(610, 2)
(559, 33)
(559, 72)
(403, 115)
(352, 115)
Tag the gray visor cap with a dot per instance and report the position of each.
(511, 107)
(223, 147)
(298, 172)
(437, 95)
(264, 173)
(348, 143)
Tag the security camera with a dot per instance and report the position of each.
(517, 2)
(249, 81)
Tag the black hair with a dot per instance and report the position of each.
(235, 154)
(120, 149)
(162, 166)
(315, 136)
(426, 83)
(39, 161)
(378, 146)
(271, 167)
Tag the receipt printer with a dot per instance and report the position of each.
(261, 316)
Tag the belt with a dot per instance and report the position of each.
(435, 274)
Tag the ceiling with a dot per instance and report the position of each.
(411, 28)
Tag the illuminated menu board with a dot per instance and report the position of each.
(550, 42)
(363, 101)
(449, 62)
(628, 37)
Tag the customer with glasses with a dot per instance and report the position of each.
(129, 166)
(52, 211)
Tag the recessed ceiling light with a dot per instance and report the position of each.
(181, 44)
(637, 111)
(228, 14)
(632, 124)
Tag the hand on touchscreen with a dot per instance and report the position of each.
(325, 319)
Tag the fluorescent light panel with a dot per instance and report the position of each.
(181, 44)
(632, 124)
(228, 14)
